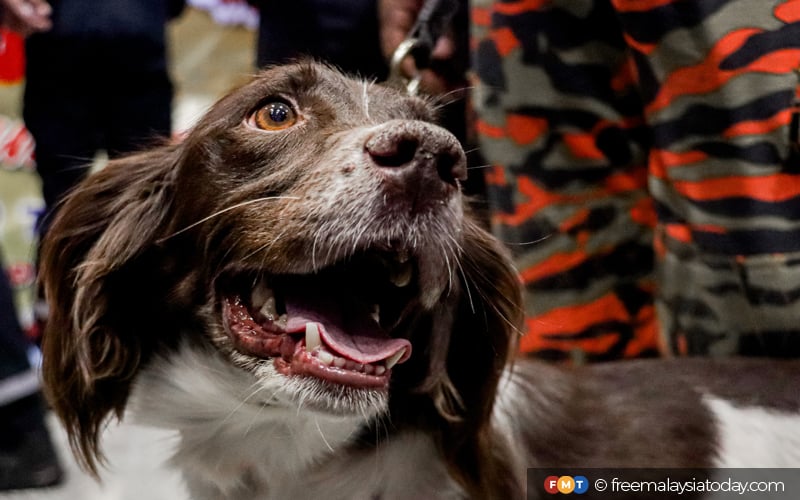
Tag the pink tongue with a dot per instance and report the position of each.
(346, 326)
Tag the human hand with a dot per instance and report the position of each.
(25, 17)
(396, 19)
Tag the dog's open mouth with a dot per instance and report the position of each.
(334, 325)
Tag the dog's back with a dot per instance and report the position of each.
(697, 413)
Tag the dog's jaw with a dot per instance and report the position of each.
(334, 325)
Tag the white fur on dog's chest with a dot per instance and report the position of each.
(406, 467)
(755, 436)
(231, 449)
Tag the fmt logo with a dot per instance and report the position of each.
(566, 484)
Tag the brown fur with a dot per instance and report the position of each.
(132, 261)
(139, 255)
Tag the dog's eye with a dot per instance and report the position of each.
(275, 116)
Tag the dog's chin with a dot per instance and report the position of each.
(309, 393)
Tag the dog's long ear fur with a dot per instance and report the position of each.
(90, 351)
(474, 335)
(487, 327)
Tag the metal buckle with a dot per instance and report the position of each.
(395, 71)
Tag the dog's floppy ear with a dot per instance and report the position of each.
(486, 326)
(90, 353)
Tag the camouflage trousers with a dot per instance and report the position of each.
(643, 169)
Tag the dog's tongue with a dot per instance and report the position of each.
(346, 325)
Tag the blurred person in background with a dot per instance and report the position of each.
(27, 456)
(341, 32)
(97, 80)
(25, 17)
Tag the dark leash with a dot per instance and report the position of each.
(434, 20)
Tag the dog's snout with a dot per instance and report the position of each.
(417, 150)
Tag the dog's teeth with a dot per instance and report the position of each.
(390, 362)
(281, 321)
(376, 313)
(339, 362)
(260, 295)
(369, 369)
(312, 337)
(380, 370)
(401, 256)
(268, 309)
(325, 357)
(400, 275)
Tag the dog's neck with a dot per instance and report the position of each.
(232, 449)
(200, 395)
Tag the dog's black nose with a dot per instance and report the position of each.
(419, 154)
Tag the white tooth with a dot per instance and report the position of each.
(268, 309)
(281, 321)
(380, 370)
(401, 275)
(401, 256)
(339, 362)
(260, 294)
(358, 367)
(395, 358)
(376, 313)
(369, 369)
(325, 357)
(312, 337)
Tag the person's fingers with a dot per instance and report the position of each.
(40, 15)
(396, 18)
(445, 48)
(27, 16)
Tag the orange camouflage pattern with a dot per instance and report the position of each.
(643, 170)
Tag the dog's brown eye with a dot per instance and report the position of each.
(275, 116)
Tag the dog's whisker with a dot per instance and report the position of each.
(452, 96)
(365, 97)
(256, 388)
(466, 282)
(224, 210)
(314, 265)
(322, 435)
(532, 242)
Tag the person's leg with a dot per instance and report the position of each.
(138, 114)
(60, 117)
(27, 457)
(719, 82)
(58, 112)
(14, 363)
(560, 125)
(344, 34)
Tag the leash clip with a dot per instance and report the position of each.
(435, 17)
(405, 49)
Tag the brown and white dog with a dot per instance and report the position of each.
(297, 290)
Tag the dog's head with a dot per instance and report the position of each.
(309, 229)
